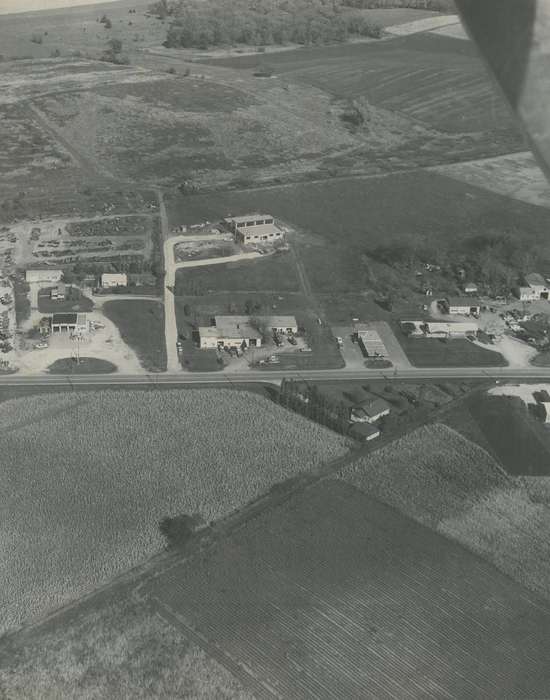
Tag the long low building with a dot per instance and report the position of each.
(463, 306)
(76, 324)
(441, 329)
(370, 340)
(241, 332)
(43, 274)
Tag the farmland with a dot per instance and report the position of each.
(333, 581)
(450, 484)
(118, 649)
(141, 325)
(86, 503)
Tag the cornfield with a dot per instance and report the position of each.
(448, 483)
(90, 476)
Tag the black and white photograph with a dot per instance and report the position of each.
(274, 349)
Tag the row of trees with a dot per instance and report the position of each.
(433, 5)
(308, 400)
(207, 23)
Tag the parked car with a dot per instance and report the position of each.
(292, 340)
(340, 341)
(305, 350)
(41, 346)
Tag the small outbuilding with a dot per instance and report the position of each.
(364, 432)
(464, 306)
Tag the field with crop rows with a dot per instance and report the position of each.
(91, 475)
(433, 79)
(453, 486)
(334, 594)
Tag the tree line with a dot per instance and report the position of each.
(308, 400)
(208, 23)
(433, 5)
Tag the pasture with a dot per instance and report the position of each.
(431, 79)
(92, 474)
(141, 326)
(455, 487)
(334, 581)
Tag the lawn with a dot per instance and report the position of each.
(519, 441)
(74, 301)
(141, 325)
(91, 475)
(86, 365)
(273, 273)
(457, 352)
(455, 487)
(115, 649)
(334, 594)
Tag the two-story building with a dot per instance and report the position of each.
(253, 228)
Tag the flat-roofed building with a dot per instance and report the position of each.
(370, 339)
(114, 279)
(463, 306)
(440, 329)
(282, 324)
(73, 323)
(230, 332)
(254, 228)
(43, 274)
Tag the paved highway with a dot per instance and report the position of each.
(254, 376)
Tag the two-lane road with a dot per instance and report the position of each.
(259, 376)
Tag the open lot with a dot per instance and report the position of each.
(92, 474)
(334, 581)
(456, 352)
(141, 326)
(85, 365)
(453, 486)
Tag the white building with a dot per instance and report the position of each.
(470, 288)
(231, 332)
(282, 324)
(254, 228)
(76, 324)
(440, 329)
(114, 279)
(370, 339)
(536, 288)
(463, 306)
(43, 274)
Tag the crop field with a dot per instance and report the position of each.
(448, 483)
(345, 218)
(334, 581)
(271, 273)
(433, 79)
(116, 649)
(92, 474)
(141, 325)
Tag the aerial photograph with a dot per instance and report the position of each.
(275, 349)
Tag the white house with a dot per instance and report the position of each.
(43, 274)
(114, 279)
(254, 228)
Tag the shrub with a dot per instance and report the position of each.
(36, 38)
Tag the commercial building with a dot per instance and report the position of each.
(43, 274)
(282, 324)
(370, 339)
(536, 288)
(463, 306)
(441, 329)
(114, 279)
(253, 228)
(75, 324)
(230, 332)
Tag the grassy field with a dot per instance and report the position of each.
(118, 649)
(273, 273)
(74, 302)
(519, 441)
(141, 325)
(458, 352)
(433, 79)
(86, 365)
(342, 220)
(334, 581)
(452, 485)
(84, 504)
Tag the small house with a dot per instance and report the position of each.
(470, 288)
(369, 410)
(464, 306)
